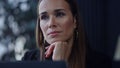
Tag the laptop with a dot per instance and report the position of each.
(33, 64)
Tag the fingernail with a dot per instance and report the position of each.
(46, 56)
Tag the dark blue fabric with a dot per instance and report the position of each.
(33, 64)
(102, 25)
(93, 60)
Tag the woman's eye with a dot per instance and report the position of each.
(60, 14)
(44, 17)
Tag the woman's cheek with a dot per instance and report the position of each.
(43, 28)
(68, 25)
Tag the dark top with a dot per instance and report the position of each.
(93, 59)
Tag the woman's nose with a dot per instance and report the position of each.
(52, 22)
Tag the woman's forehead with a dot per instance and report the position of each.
(46, 5)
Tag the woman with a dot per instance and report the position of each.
(59, 23)
(59, 33)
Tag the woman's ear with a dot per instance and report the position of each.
(75, 23)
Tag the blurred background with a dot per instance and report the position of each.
(17, 28)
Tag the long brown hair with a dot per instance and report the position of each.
(78, 54)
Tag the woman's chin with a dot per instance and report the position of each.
(54, 40)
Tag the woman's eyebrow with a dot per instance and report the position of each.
(42, 13)
(57, 10)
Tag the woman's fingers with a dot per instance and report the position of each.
(49, 51)
(60, 51)
(47, 47)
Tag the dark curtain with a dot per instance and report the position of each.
(102, 24)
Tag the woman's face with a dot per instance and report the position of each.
(56, 20)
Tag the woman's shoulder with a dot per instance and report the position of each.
(31, 55)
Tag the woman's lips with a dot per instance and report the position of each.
(54, 33)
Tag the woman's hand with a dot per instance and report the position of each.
(60, 50)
